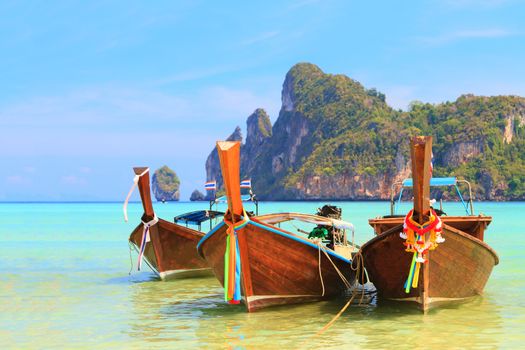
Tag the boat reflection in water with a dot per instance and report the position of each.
(193, 314)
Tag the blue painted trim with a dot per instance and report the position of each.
(399, 200)
(434, 181)
(462, 201)
(302, 241)
(206, 236)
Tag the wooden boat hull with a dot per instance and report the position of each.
(171, 252)
(277, 267)
(457, 269)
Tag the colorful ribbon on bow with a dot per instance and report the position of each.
(417, 243)
(232, 260)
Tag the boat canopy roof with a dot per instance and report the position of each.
(197, 217)
(435, 181)
(277, 218)
(244, 198)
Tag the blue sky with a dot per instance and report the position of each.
(89, 89)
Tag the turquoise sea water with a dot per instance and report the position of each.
(64, 283)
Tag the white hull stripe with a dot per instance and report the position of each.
(263, 297)
(165, 274)
(430, 299)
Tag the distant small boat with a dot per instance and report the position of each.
(425, 258)
(261, 264)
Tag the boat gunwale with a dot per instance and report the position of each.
(399, 227)
(173, 225)
(444, 218)
(276, 230)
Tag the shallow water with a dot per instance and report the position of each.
(64, 283)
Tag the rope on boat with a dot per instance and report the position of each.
(135, 184)
(359, 261)
(319, 264)
(145, 239)
(341, 275)
(360, 274)
(332, 321)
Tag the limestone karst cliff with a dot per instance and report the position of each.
(165, 184)
(336, 139)
(197, 195)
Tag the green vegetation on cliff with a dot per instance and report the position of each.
(351, 128)
(493, 130)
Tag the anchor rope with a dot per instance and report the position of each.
(332, 321)
(359, 271)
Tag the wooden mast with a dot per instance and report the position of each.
(145, 193)
(421, 154)
(229, 156)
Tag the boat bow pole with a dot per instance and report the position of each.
(235, 218)
(149, 219)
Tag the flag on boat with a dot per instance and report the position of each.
(210, 186)
(246, 183)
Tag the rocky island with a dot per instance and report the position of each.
(197, 195)
(165, 185)
(336, 139)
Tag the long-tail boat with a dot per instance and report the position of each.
(262, 264)
(425, 258)
(168, 248)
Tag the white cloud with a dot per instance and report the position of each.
(17, 180)
(473, 3)
(73, 180)
(302, 3)
(260, 38)
(120, 107)
(91, 106)
(107, 122)
(446, 38)
(230, 102)
(400, 96)
(195, 74)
